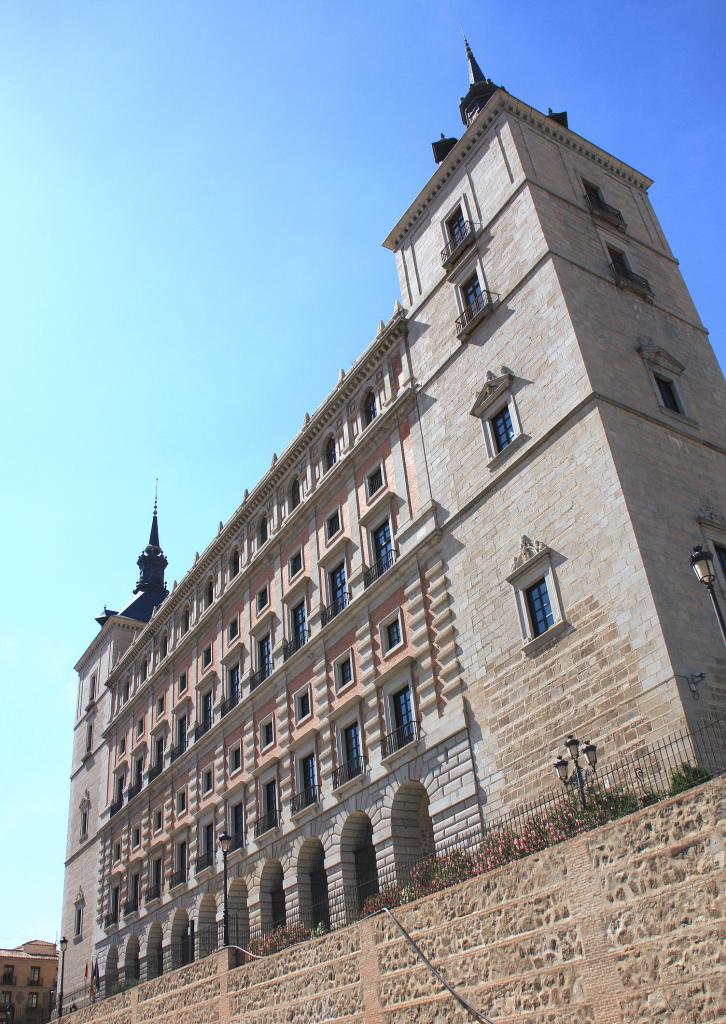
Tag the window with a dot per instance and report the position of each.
(116, 852)
(181, 801)
(233, 684)
(295, 493)
(457, 227)
(140, 726)
(182, 682)
(237, 824)
(235, 759)
(207, 781)
(351, 743)
(667, 393)
(374, 481)
(502, 429)
(135, 837)
(181, 858)
(159, 752)
(233, 630)
(297, 623)
(157, 820)
(164, 645)
(720, 551)
(383, 545)
(84, 824)
(6, 998)
(156, 875)
(138, 771)
(303, 707)
(186, 621)
(205, 710)
(92, 687)
(89, 738)
(331, 454)
(338, 586)
(295, 564)
(33, 996)
(160, 707)
(209, 596)
(344, 672)
(264, 656)
(207, 656)
(208, 838)
(126, 691)
(181, 731)
(35, 973)
(619, 262)
(263, 597)
(402, 715)
(392, 634)
(269, 796)
(77, 929)
(267, 734)
(471, 292)
(308, 777)
(332, 524)
(234, 564)
(262, 531)
(593, 194)
(539, 608)
(370, 408)
(122, 746)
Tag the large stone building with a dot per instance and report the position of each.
(29, 981)
(476, 544)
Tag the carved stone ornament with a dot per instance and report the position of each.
(494, 386)
(653, 355)
(708, 514)
(80, 898)
(527, 550)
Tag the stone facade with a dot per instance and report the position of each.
(623, 925)
(513, 447)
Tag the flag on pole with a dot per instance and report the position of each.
(97, 978)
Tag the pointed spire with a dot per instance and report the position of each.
(481, 88)
(475, 72)
(154, 532)
(151, 561)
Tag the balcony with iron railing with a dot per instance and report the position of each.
(401, 737)
(134, 788)
(472, 314)
(203, 727)
(295, 644)
(305, 798)
(116, 806)
(348, 771)
(34, 983)
(178, 750)
(153, 893)
(110, 919)
(462, 239)
(239, 841)
(379, 567)
(266, 822)
(627, 278)
(599, 208)
(334, 608)
(205, 860)
(9, 979)
(131, 906)
(231, 702)
(178, 877)
(262, 673)
(155, 770)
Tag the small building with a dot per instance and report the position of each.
(29, 982)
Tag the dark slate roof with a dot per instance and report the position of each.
(143, 605)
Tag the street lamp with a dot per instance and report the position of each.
(63, 947)
(225, 844)
(702, 565)
(580, 774)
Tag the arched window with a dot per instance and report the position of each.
(209, 597)
(234, 564)
(331, 455)
(295, 493)
(370, 409)
(262, 531)
(186, 619)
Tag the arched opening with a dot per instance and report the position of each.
(239, 916)
(209, 597)
(110, 978)
(312, 883)
(132, 965)
(295, 493)
(181, 940)
(370, 408)
(331, 453)
(207, 925)
(262, 532)
(154, 951)
(358, 861)
(234, 564)
(412, 830)
(272, 895)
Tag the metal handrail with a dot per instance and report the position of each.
(401, 737)
(239, 839)
(463, 234)
(133, 789)
(267, 822)
(177, 751)
(262, 673)
(153, 893)
(605, 210)
(205, 860)
(629, 276)
(295, 644)
(350, 770)
(378, 568)
(472, 311)
(334, 608)
(305, 798)
(203, 727)
(178, 876)
(231, 702)
(131, 906)
(155, 770)
(116, 806)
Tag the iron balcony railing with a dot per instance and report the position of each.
(305, 798)
(239, 840)
(627, 278)
(601, 209)
(350, 770)
(295, 644)
(334, 608)
(9, 979)
(179, 876)
(401, 737)
(110, 919)
(116, 806)
(32, 982)
(131, 906)
(178, 750)
(462, 236)
(261, 674)
(153, 893)
(155, 769)
(203, 727)
(266, 822)
(134, 788)
(378, 568)
(205, 860)
(231, 702)
(472, 313)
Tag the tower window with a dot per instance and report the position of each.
(186, 620)
(667, 393)
(331, 455)
(502, 429)
(295, 493)
(370, 408)
(234, 564)
(262, 531)
(263, 598)
(539, 607)
(207, 656)
(332, 524)
(471, 292)
(210, 594)
(457, 227)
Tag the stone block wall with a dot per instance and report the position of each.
(623, 925)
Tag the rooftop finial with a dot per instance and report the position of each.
(475, 72)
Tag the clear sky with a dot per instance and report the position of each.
(192, 199)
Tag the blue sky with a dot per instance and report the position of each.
(192, 200)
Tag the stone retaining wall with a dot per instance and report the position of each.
(623, 925)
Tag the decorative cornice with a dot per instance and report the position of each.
(494, 386)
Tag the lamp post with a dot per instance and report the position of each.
(702, 565)
(579, 775)
(63, 947)
(225, 843)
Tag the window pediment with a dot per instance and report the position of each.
(654, 356)
(494, 387)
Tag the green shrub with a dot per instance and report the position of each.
(686, 777)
